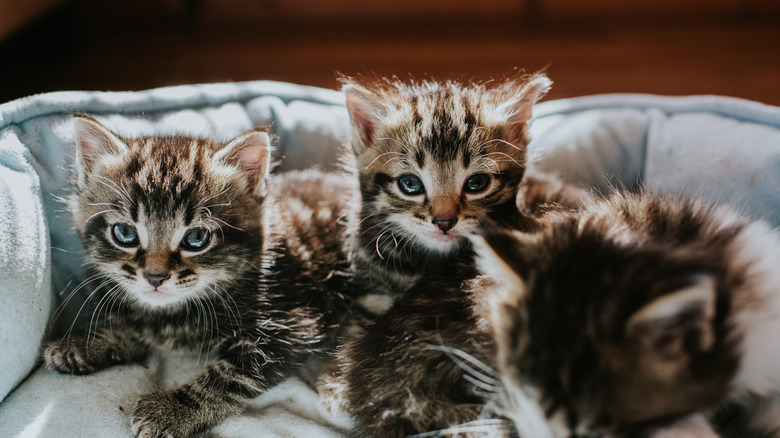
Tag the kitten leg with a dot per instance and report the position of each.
(244, 372)
(693, 426)
(85, 354)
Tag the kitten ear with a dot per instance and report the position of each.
(516, 126)
(364, 113)
(674, 326)
(250, 152)
(94, 141)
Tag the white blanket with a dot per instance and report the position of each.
(724, 149)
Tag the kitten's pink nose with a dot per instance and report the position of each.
(156, 279)
(445, 224)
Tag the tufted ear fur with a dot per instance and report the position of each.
(520, 106)
(93, 142)
(676, 325)
(250, 152)
(364, 113)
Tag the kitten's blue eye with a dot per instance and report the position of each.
(410, 184)
(196, 238)
(125, 235)
(477, 183)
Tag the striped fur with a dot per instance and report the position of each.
(634, 318)
(443, 134)
(425, 366)
(267, 291)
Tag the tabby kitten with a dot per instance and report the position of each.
(635, 318)
(193, 249)
(432, 158)
(425, 366)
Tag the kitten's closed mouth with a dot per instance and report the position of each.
(159, 296)
(443, 241)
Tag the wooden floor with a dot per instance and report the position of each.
(727, 56)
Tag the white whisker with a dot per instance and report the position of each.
(99, 213)
(505, 155)
(212, 197)
(485, 426)
(119, 190)
(87, 300)
(499, 140)
(468, 363)
(223, 222)
(402, 156)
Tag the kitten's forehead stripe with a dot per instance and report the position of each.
(416, 117)
(419, 157)
(470, 118)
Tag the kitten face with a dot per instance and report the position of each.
(433, 157)
(608, 333)
(168, 219)
(438, 200)
(146, 268)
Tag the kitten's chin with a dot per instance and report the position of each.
(442, 243)
(158, 298)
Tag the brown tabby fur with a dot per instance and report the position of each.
(445, 135)
(631, 317)
(268, 290)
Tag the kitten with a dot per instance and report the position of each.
(193, 249)
(635, 318)
(407, 373)
(432, 158)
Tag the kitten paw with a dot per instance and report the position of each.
(65, 359)
(162, 415)
(80, 356)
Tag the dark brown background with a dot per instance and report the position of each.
(676, 47)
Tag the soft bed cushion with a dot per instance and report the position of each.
(724, 149)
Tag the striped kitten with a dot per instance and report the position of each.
(432, 158)
(193, 249)
(635, 318)
(406, 374)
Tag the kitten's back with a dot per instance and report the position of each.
(634, 312)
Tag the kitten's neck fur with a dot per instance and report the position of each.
(756, 314)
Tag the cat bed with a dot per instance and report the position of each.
(723, 149)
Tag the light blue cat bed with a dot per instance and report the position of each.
(721, 148)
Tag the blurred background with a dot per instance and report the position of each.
(672, 47)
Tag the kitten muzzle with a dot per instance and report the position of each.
(156, 279)
(445, 224)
